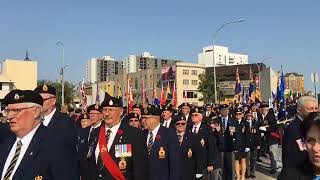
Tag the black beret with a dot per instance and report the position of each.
(46, 89)
(264, 105)
(133, 115)
(84, 116)
(96, 107)
(238, 110)
(224, 106)
(198, 110)
(137, 106)
(168, 107)
(22, 96)
(151, 111)
(110, 101)
(179, 118)
(184, 104)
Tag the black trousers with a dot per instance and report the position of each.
(228, 165)
(251, 162)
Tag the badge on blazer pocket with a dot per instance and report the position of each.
(162, 153)
(122, 164)
(190, 153)
(202, 142)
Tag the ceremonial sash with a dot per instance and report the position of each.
(106, 158)
(276, 135)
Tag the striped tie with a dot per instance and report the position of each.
(13, 162)
(150, 142)
(100, 162)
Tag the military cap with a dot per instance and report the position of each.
(248, 111)
(84, 116)
(184, 104)
(137, 106)
(22, 96)
(238, 110)
(110, 101)
(198, 110)
(179, 118)
(264, 105)
(46, 89)
(133, 115)
(151, 111)
(224, 106)
(168, 107)
(253, 104)
(96, 107)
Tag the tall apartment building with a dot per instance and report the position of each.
(146, 61)
(294, 81)
(98, 69)
(220, 56)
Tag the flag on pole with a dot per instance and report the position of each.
(83, 103)
(97, 95)
(185, 95)
(129, 96)
(120, 94)
(109, 88)
(155, 95)
(251, 88)
(168, 92)
(162, 100)
(143, 94)
(280, 88)
(174, 95)
(238, 87)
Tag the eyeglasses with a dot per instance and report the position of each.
(194, 114)
(16, 111)
(238, 113)
(180, 124)
(109, 110)
(133, 120)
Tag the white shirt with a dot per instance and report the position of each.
(48, 118)
(154, 133)
(25, 144)
(225, 121)
(197, 128)
(166, 123)
(113, 134)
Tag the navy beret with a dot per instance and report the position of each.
(151, 111)
(22, 96)
(96, 107)
(46, 89)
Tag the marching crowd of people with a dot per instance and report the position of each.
(105, 141)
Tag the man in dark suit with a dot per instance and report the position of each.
(192, 153)
(163, 148)
(208, 140)
(4, 131)
(167, 114)
(59, 125)
(185, 110)
(292, 154)
(30, 154)
(225, 135)
(120, 151)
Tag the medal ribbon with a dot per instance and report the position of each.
(106, 158)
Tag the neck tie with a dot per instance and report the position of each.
(165, 123)
(150, 142)
(13, 161)
(195, 129)
(180, 138)
(99, 162)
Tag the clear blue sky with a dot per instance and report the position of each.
(286, 30)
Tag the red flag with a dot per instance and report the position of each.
(143, 95)
(162, 100)
(129, 96)
(174, 95)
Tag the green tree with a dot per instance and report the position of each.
(206, 87)
(69, 91)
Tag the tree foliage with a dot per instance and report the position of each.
(69, 91)
(206, 87)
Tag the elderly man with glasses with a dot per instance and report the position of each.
(30, 153)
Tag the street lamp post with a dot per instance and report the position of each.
(213, 59)
(59, 43)
(258, 65)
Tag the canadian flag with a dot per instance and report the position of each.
(162, 100)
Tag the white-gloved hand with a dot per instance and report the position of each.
(262, 128)
(199, 175)
(247, 149)
(262, 134)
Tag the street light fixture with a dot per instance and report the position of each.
(259, 70)
(213, 59)
(59, 43)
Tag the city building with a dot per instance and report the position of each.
(294, 82)
(222, 57)
(184, 75)
(99, 69)
(146, 61)
(17, 74)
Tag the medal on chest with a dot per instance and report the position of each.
(162, 153)
(189, 153)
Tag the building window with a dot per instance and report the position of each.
(185, 82)
(194, 82)
(190, 94)
(194, 72)
(185, 72)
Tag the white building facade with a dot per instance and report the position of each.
(220, 56)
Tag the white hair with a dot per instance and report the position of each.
(303, 99)
(31, 104)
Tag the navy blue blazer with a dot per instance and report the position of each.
(4, 131)
(226, 140)
(42, 158)
(164, 166)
